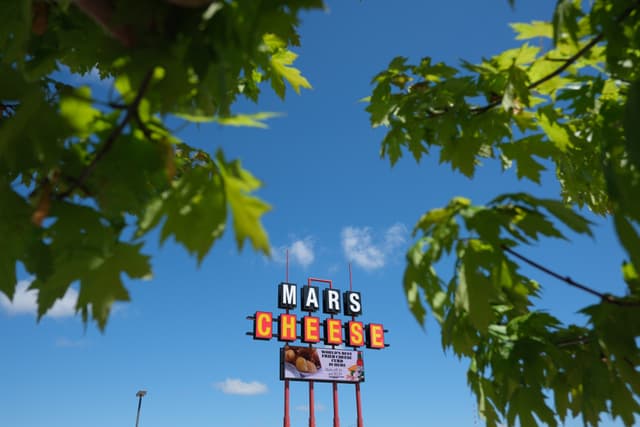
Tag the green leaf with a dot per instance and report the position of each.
(516, 94)
(76, 109)
(565, 20)
(15, 24)
(523, 55)
(629, 238)
(248, 120)
(414, 298)
(534, 224)
(15, 228)
(280, 62)
(461, 154)
(631, 278)
(246, 209)
(564, 213)
(524, 151)
(196, 201)
(534, 30)
(102, 285)
(472, 296)
(556, 132)
(631, 123)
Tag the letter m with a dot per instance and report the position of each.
(287, 295)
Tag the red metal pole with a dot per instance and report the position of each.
(336, 416)
(359, 405)
(312, 415)
(287, 420)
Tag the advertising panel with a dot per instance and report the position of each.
(321, 364)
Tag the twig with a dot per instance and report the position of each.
(569, 61)
(573, 341)
(79, 185)
(143, 127)
(568, 280)
(130, 113)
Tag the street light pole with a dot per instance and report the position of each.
(140, 394)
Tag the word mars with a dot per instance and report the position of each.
(335, 332)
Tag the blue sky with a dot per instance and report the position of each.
(334, 202)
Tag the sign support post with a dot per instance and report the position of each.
(359, 405)
(336, 416)
(287, 420)
(312, 412)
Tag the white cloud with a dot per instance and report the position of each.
(362, 249)
(395, 236)
(301, 252)
(358, 247)
(25, 301)
(236, 386)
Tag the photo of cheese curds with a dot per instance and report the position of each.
(305, 359)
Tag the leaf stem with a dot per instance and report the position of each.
(608, 298)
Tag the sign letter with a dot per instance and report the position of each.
(262, 326)
(375, 336)
(333, 331)
(331, 301)
(287, 295)
(355, 334)
(310, 298)
(352, 304)
(287, 327)
(311, 329)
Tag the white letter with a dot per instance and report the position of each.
(287, 294)
(311, 300)
(354, 302)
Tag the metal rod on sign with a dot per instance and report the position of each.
(315, 279)
(358, 396)
(286, 420)
(312, 414)
(359, 405)
(336, 415)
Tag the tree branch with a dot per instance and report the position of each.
(569, 61)
(101, 11)
(608, 298)
(566, 64)
(131, 112)
(148, 133)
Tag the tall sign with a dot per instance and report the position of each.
(323, 340)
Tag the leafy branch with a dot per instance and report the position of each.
(608, 298)
(131, 113)
(566, 63)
